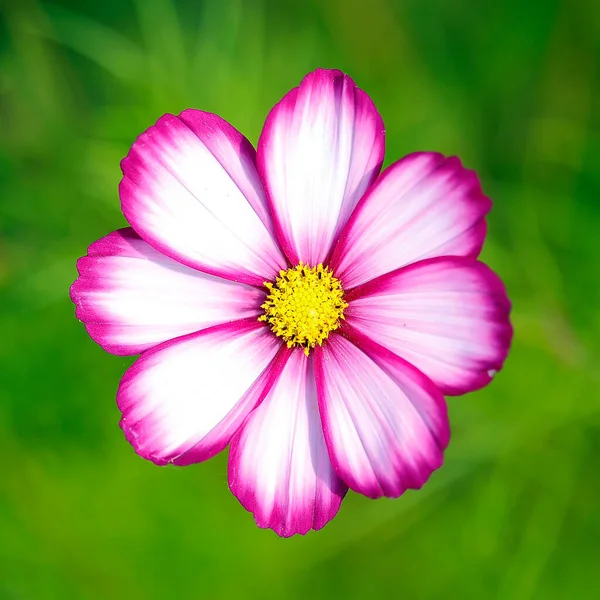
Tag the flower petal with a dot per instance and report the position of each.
(279, 468)
(191, 190)
(132, 297)
(183, 400)
(385, 423)
(424, 205)
(447, 316)
(320, 149)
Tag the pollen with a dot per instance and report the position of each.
(304, 305)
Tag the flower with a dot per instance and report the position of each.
(294, 303)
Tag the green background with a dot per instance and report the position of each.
(510, 87)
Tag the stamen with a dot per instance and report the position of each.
(304, 305)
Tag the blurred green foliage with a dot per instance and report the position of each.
(509, 86)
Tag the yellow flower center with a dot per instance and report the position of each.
(304, 305)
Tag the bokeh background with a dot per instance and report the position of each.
(510, 87)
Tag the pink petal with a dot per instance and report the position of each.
(385, 423)
(424, 205)
(183, 400)
(447, 316)
(191, 190)
(132, 297)
(320, 149)
(279, 468)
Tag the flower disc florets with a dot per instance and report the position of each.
(304, 305)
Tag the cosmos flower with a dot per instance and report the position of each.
(294, 303)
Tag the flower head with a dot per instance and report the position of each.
(294, 303)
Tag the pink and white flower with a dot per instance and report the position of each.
(219, 284)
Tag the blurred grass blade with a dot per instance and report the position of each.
(107, 48)
(164, 48)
